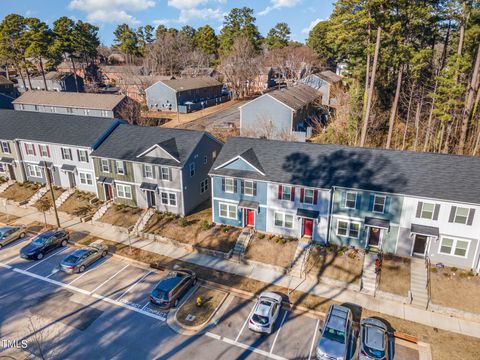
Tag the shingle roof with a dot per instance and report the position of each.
(295, 97)
(70, 99)
(52, 75)
(439, 176)
(128, 141)
(4, 81)
(191, 83)
(330, 76)
(53, 128)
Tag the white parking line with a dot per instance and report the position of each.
(313, 340)
(110, 278)
(245, 323)
(278, 331)
(48, 257)
(133, 285)
(144, 306)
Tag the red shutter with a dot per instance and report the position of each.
(302, 193)
(34, 152)
(292, 195)
(48, 151)
(26, 149)
(39, 149)
(315, 197)
(279, 192)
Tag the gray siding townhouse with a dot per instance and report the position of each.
(11, 166)
(284, 114)
(56, 81)
(60, 143)
(164, 169)
(67, 103)
(184, 95)
(327, 83)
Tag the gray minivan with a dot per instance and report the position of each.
(334, 343)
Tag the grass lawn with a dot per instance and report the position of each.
(211, 299)
(121, 215)
(57, 191)
(395, 275)
(195, 229)
(460, 291)
(20, 192)
(273, 250)
(336, 263)
(78, 204)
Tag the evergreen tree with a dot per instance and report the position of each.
(278, 36)
(64, 41)
(127, 41)
(206, 40)
(240, 22)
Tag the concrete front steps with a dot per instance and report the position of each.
(419, 283)
(62, 198)
(369, 277)
(102, 210)
(143, 220)
(37, 196)
(242, 244)
(6, 185)
(297, 267)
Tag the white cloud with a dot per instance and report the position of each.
(186, 4)
(112, 11)
(192, 9)
(311, 26)
(278, 4)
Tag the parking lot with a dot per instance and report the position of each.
(113, 290)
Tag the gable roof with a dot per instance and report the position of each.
(130, 142)
(191, 83)
(70, 99)
(436, 176)
(295, 97)
(54, 128)
(5, 81)
(52, 75)
(330, 76)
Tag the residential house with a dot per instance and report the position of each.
(271, 186)
(8, 93)
(268, 78)
(83, 104)
(134, 86)
(165, 169)
(328, 84)
(56, 81)
(112, 74)
(185, 95)
(60, 143)
(285, 114)
(191, 72)
(11, 166)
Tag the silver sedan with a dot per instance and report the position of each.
(80, 259)
(9, 234)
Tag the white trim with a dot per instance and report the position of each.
(168, 198)
(125, 193)
(260, 97)
(349, 223)
(452, 253)
(228, 210)
(233, 185)
(284, 214)
(346, 199)
(421, 210)
(156, 146)
(384, 203)
(236, 158)
(455, 215)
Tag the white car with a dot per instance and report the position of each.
(265, 313)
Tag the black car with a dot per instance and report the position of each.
(44, 243)
(170, 289)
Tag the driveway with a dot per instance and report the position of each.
(223, 119)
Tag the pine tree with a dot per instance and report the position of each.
(206, 40)
(240, 22)
(278, 37)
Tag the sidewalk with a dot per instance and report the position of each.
(262, 273)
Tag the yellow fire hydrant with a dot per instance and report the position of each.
(199, 301)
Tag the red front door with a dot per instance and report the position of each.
(307, 227)
(250, 217)
(108, 192)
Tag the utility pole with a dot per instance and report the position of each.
(48, 175)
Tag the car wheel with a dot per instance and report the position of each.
(194, 282)
(104, 253)
(81, 269)
(175, 304)
(22, 235)
(1, 246)
(64, 243)
(39, 256)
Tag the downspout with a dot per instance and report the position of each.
(330, 211)
(182, 190)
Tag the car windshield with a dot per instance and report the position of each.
(374, 341)
(40, 240)
(71, 258)
(334, 335)
(259, 319)
(160, 294)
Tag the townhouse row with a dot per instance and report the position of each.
(165, 169)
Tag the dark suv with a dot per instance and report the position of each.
(170, 289)
(44, 243)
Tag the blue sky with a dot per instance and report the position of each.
(301, 15)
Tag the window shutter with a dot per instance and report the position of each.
(124, 164)
(48, 151)
(62, 151)
(453, 210)
(78, 154)
(471, 214)
(387, 204)
(315, 197)
(254, 189)
(302, 194)
(235, 185)
(292, 194)
(26, 148)
(279, 192)
(223, 184)
(371, 202)
(34, 152)
(436, 211)
(419, 209)
(242, 187)
(358, 202)
(70, 152)
(39, 149)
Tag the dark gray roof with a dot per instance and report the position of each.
(128, 141)
(53, 128)
(295, 97)
(437, 176)
(191, 83)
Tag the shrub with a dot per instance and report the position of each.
(463, 274)
(471, 273)
(205, 225)
(270, 237)
(434, 270)
(291, 238)
(453, 269)
(183, 222)
(261, 236)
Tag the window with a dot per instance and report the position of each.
(346, 228)
(85, 178)
(87, 112)
(6, 147)
(165, 173)
(105, 165)
(379, 204)
(69, 111)
(229, 185)
(148, 171)
(124, 191)
(104, 113)
(204, 186)
(286, 192)
(248, 188)
(169, 198)
(205, 160)
(427, 211)
(450, 246)
(44, 150)
(82, 155)
(308, 196)
(228, 211)
(120, 168)
(34, 171)
(66, 154)
(351, 200)
(192, 169)
(30, 150)
(283, 220)
(461, 215)
(52, 109)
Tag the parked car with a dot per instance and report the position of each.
(334, 342)
(373, 340)
(170, 289)
(265, 313)
(9, 234)
(44, 243)
(80, 259)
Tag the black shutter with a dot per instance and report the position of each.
(242, 186)
(254, 188)
(63, 156)
(436, 211)
(453, 210)
(471, 214)
(358, 204)
(223, 184)
(78, 154)
(235, 185)
(70, 152)
(419, 209)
